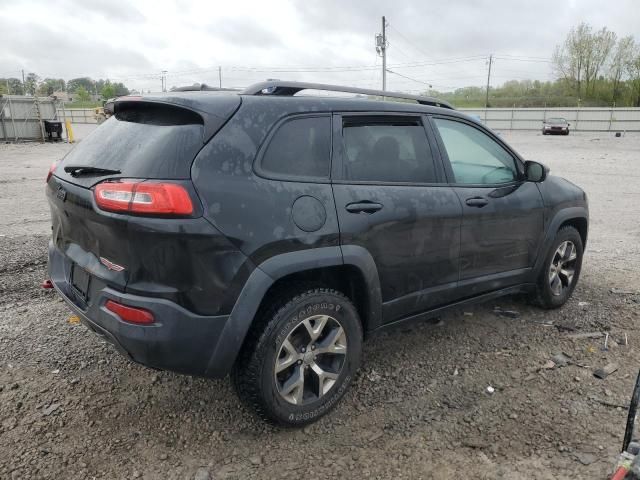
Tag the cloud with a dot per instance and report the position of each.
(52, 53)
(243, 32)
(135, 39)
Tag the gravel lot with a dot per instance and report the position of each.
(72, 407)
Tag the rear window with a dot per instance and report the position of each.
(300, 148)
(145, 140)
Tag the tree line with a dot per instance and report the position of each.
(592, 68)
(82, 87)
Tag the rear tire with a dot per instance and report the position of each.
(561, 269)
(298, 364)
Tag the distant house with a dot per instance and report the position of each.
(62, 96)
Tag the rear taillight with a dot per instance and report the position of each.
(129, 314)
(150, 198)
(52, 169)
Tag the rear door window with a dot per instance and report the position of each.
(301, 147)
(387, 149)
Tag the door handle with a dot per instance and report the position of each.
(478, 202)
(363, 207)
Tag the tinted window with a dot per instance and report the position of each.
(475, 157)
(149, 141)
(386, 150)
(300, 147)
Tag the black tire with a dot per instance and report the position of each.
(254, 373)
(545, 295)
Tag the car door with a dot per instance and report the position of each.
(502, 221)
(392, 200)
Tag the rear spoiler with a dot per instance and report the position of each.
(214, 110)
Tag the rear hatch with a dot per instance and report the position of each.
(147, 141)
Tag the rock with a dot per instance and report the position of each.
(163, 456)
(490, 390)
(50, 409)
(586, 458)
(619, 291)
(549, 364)
(560, 359)
(255, 459)
(506, 313)
(475, 443)
(202, 474)
(605, 371)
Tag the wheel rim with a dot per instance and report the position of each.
(310, 359)
(563, 268)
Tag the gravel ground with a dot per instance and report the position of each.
(72, 407)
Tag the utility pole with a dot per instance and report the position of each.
(220, 76)
(384, 55)
(163, 79)
(486, 100)
(381, 48)
(24, 87)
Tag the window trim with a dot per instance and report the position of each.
(519, 163)
(339, 155)
(269, 175)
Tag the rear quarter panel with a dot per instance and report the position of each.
(255, 213)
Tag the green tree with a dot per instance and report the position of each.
(108, 91)
(50, 85)
(75, 83)
(83, 94)
(31, 83)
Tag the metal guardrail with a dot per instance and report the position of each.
(589, 119)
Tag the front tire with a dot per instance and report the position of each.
(561, 269)
(298, 365)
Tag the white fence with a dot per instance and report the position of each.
(581, 119)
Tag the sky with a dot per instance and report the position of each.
(443, 44)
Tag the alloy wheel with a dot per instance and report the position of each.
(562, 268)
(310, 359)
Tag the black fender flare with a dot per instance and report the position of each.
(267, 273)
(559, 218)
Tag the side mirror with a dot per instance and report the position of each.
(568, 124)
(535, 172)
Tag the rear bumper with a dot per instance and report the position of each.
(179, 340)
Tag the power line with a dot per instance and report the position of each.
(408, 41)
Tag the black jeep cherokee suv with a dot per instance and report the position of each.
(265, 234)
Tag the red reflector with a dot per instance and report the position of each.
(130, 314)
(150, 198)
(47, 284)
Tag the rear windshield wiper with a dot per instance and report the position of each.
(77, 170)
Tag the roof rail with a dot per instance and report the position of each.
(291, 88)
(203, 87)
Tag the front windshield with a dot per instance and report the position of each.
(557, 121)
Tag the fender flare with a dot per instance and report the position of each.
(559, 218)
(267, 273)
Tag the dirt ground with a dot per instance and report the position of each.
(72, 407)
